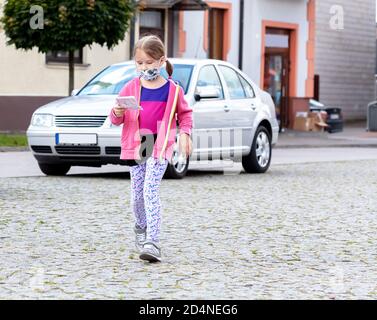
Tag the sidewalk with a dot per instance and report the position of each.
(354, 134)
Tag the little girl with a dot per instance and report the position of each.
(148, 138)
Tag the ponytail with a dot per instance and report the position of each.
(169, 68)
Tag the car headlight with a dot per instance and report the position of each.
(42, 120)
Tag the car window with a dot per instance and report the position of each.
(181, 73)
(247, 87)
(233, 82)
(208, 77)
(112, 79)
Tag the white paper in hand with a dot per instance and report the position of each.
(128, 102)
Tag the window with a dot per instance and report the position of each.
(208, 77)
(277, 38)
(152, 22)
(247, 87)
(62, 56)
(112, 79)
(233, 82)
(181, 74)
(109, 81)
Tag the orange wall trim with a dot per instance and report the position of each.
(292, 49)
(310, 48)
(227, 7)
(181, 35)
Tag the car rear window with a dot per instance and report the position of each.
(112, 79)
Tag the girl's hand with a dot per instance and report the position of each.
(185, 144)
(119, 111)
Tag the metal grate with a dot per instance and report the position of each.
(79, 121)
(41, 149)
(112, 150)
(77, 150)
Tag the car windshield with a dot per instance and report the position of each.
(112, 79)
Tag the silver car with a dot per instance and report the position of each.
(232, 119)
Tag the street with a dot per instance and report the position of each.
(303, 230)
(23, 164)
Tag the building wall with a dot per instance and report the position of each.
(288, 11)
(345, 59)
(194, 28)
(26, 72)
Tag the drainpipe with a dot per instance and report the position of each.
(240, 57)
(132, 37)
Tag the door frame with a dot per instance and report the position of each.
(227, 32)
(284, 99)
(293, 28)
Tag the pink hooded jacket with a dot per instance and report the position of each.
(164, 146)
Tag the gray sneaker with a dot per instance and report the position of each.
(140, 236)
(151, 251)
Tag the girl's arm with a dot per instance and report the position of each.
(184, 114)
(114, 119)
(117, 121)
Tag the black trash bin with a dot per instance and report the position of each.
(372, 116)
(334, 120)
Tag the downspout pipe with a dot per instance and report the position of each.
(240, 52)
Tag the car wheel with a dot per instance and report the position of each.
(54, 169)
(179, 166)
(259, 158)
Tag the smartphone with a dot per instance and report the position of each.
(128, 102)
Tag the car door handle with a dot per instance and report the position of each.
(253, 106)
(226, 108)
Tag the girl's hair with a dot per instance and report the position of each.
(155, 48)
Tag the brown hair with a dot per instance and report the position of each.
(154, 47)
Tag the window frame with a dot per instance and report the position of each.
(243, 78)
(220, 81)
(51, 57)
(160, 31)
(238, 77)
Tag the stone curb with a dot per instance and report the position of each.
(277, 146)
(307, 146)
(9, 149)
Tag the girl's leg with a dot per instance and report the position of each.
(154, 173)
(137, 174)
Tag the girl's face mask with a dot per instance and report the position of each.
(150, 74)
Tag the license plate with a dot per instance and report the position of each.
(76, 138)
(334, 116)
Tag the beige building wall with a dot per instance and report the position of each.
(24, 73)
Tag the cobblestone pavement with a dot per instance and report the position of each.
(305, 231)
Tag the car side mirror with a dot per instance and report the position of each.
(208, 92)
(74, 92)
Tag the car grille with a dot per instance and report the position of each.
(41, 149)
(79, 121)
(112, 150)
(77, 150)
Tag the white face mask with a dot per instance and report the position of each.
(150, 74)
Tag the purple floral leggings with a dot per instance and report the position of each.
(145, 199)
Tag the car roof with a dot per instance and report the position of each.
(181, 61)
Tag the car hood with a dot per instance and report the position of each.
(80, 105)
